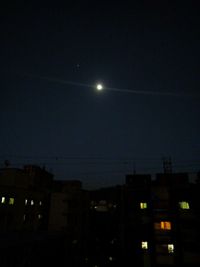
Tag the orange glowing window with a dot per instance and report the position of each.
(165, 225)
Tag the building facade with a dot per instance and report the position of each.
(161, 221)
(145, 222)
(24, 198)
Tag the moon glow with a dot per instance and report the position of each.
(99, 86)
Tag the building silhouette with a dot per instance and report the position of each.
(24, 198)
(145, 222)
(155, 223)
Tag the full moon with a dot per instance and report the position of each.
(99, 86)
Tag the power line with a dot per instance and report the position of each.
(72, 160)
(100, 158)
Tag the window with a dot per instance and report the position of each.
(32, 202)
(26, 201)
(24, 217)
(3, 200)
(144, 245)
(170, 248)
(39, 216)
(110, 258)
(11, 201)
(143, 205)
(164, 249)
(40, 203)
(184, 205)
(165, 225)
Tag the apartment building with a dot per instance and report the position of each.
(24, 198)
(162, 221)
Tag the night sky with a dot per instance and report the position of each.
(50, 112)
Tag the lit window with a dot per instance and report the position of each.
(164, 249)
(3, 200)
(11, 201)
(26, 201)
(184, 205)
(40, 203)
(170, 248)
(162, 225)
(110, 258)
(165, 225)
(143, 205)
(144, 245)
(39, 216)
(32, 202)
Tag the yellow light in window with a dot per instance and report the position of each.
(143, 205)
(165, 225)
(32, 202)
(3, 200)
(144, 245)
(170, 248)
(11, 201)
(26, 201)
(184, 205)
